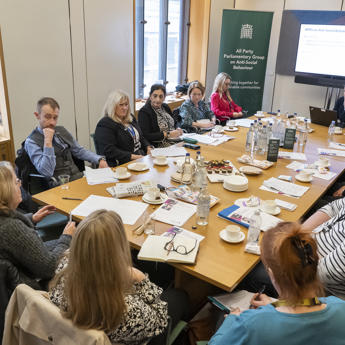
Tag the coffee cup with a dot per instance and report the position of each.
(233, 232)
(231, 123)
(305, 174)
(323, 162)
(269, 206)
(161, 159)
(153, 193)
(121, 171)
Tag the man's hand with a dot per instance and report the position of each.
(43, 212)
(48, 136)
(206, 125)
(69, 229)
(339, 192)
(103, 164)
(235, 115)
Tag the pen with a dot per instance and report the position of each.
(66, 198)
(70, 217)
(258, 296)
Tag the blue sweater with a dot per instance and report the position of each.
(267, 326)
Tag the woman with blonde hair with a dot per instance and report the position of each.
(118, 136)
(299, 316)
(221, 102)
(195, 109)
(20, 244)
(97, 287)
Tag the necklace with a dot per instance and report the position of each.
(306, 302)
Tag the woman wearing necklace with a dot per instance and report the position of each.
(118, 136)
(155, 118)
(298, 317)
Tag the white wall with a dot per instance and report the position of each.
(75, 51)
(280, 92)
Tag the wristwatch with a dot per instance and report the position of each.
(102, 159)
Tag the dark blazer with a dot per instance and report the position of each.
(148, 123)
(339, 108)
(115, 142)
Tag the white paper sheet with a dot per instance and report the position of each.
(99, 176)
(243, 122)
(129, 210)
(214, 140)
(298, 156)
(174, 212)
(329, 152)
(338, 146)
(287, 188)
(171, 151)
(298, 166)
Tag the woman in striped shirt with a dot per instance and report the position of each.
(328, 226)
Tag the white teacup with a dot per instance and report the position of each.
(269, 206)
(121, 171)
(323, 162)
(161, 159)
(305, 174)
(153, 193)
(233, 232)
(231, 123)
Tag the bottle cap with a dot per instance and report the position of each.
(187, 154)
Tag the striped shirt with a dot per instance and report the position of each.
(330, 237)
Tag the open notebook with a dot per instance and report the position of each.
(153, 249)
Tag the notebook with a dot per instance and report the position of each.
(321, 116)
(153, 249)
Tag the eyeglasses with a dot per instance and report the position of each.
(180, 249)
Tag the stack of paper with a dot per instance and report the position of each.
(171, 151)
(129, 210)
(99, 176)
(292, 155)
(287, 188)
(338, 146)
(243, 122)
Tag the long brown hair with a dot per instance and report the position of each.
(7, 188)
(98, 273)
(291, 254)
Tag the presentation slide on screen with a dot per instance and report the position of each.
(321, 49)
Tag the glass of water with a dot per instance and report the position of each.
(64, 179)
(150, 227)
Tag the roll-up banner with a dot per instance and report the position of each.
(243, 55)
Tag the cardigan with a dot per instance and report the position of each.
(222, 108)
(148, 123)
(21, 245)
(146, 315)
(115, 142)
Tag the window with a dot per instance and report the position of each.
(161, 39)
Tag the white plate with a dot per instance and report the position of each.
(230, 129)
(124, 177)
(242, 202)
(224, 236)
(250, 170)
(303, 179)
(274, 213)
(138, 166)
(161, 164)
(163, 198)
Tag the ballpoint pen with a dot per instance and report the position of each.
(67, 198)
(258, 296)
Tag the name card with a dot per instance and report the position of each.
(273, 150)
(289, 139)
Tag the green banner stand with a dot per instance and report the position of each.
(243, 52)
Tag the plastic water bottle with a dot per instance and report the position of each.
(269, 132)
(249, 139)
(256, 128)
(331, 132)
(254, 228)
(278, 112)
(187, 167)
(203, 207)
(281, 132)
(262, 141)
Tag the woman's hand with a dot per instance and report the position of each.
(134, 157)
(69, 229)
(205, 125)
(175, 133)
(137, 276)
(103, 164)
(149, 149)
(339, 192)
(260, 300)
(43, 212)
(235, 115)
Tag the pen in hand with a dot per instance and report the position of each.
(258, 296)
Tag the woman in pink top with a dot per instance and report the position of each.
(221, 102)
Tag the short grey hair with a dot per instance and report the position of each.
(112, 102)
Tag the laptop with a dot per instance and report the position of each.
(322, 116)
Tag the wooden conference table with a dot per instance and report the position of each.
(218, 263)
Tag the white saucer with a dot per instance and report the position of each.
(161, 164)
(302, 179)
(138, 166)
(259, 116)
(224, 236)
(230, 129)
(242, 202)
(163, 198)
(124, 177)
(274, 213)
